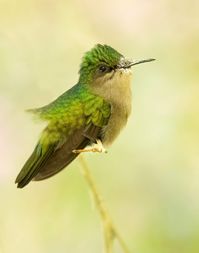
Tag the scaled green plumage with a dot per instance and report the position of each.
(100, 54)
(75, 118)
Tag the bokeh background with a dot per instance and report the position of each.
(150, 176)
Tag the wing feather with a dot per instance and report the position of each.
(44, 163)
(63, 156)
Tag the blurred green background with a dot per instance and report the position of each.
(150, 176)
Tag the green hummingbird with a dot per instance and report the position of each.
(86, 118)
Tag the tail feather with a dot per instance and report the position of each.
(33, 165)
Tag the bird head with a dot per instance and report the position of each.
(102, 62)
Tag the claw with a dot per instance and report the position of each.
(97, 148)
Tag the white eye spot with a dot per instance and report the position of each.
(103, 68)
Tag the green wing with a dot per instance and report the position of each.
(74, 122)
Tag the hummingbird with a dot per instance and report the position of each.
(86, 118)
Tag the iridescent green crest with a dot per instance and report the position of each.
(100, 54)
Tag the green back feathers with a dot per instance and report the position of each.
(72, 110)
(74, 106)
(100, 54)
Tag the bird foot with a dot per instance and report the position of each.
(96, 148)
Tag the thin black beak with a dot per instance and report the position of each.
(130, 64)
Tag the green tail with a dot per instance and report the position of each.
(33, 164)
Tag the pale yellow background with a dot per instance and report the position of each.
(150, 176)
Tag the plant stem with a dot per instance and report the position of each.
(109, 231)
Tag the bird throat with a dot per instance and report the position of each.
(115, 88)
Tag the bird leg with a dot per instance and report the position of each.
(95, 148)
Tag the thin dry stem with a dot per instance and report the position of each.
(109, 231)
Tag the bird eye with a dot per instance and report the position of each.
(103, 68)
